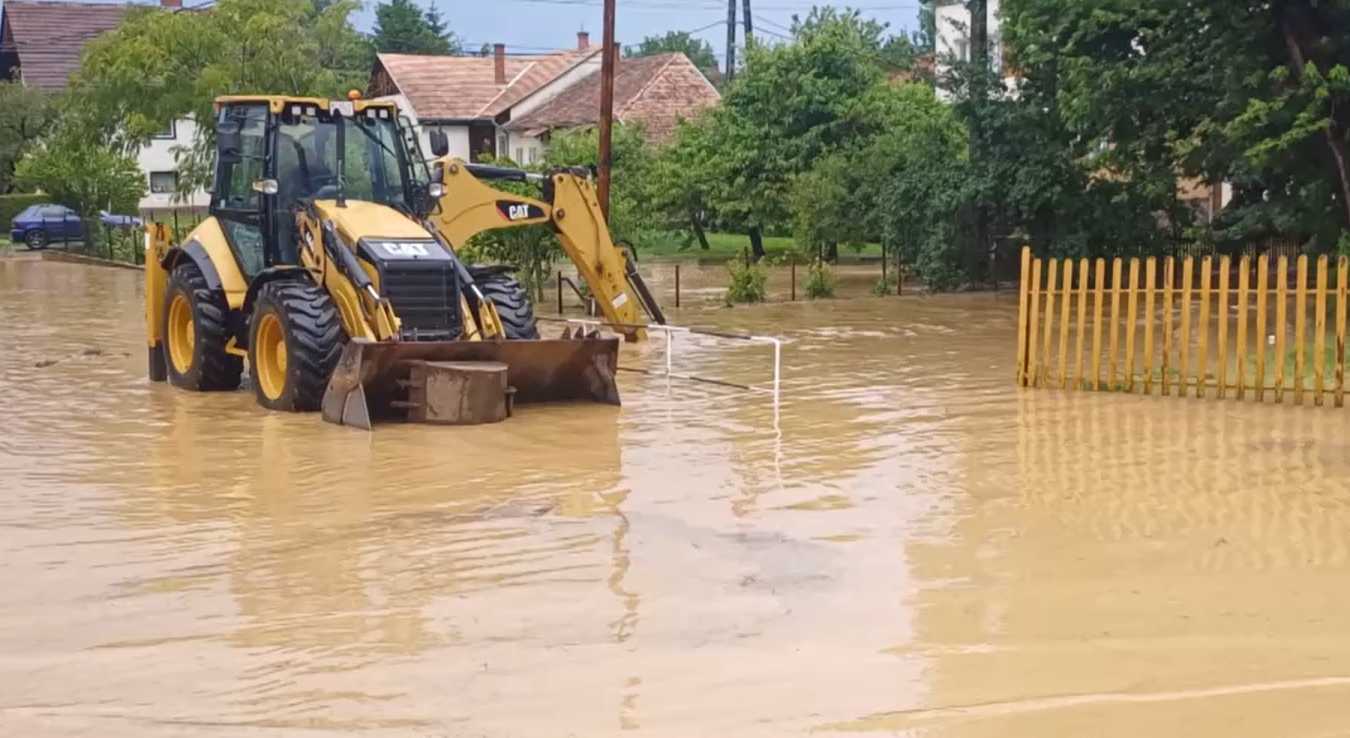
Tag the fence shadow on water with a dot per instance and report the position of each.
(1247, 328)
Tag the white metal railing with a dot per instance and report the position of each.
(671, 330)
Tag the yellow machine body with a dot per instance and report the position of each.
(327, 260)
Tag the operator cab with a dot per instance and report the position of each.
(275, 155)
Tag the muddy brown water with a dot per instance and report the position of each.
(915, 549)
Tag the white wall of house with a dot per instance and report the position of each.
(157, 162)
(458, 135)
(953, 36)
(525, 149)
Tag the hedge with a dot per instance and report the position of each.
(12, 205)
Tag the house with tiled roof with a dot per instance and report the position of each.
(655, 92)
(507, 105)
(471, 97)
(40, 46)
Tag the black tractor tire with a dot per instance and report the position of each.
(513, 304)
(211, 368)
(311, 331)
(36, 240)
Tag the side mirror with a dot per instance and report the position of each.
(440, 143)
(229, 145)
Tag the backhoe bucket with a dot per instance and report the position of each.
(371, 381)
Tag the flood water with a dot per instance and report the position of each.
(914, 547)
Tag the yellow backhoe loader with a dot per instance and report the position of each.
(329, 263)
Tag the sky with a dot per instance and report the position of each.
(536, 25)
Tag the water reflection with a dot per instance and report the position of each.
(914, 548)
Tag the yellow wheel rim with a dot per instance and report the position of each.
(269, 352)
(182, 333)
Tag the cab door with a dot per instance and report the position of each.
(244, 160)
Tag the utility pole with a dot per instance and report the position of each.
(979, 93)
(607, 61)
(731, 40)
(749, 25)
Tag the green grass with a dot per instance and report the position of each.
(5, 246)
(723, 246)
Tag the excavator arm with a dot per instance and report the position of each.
(468, 206)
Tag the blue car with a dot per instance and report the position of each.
(39, 225)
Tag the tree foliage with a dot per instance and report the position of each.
(157, 67)
(401, 27)
(25, 115)
(793, 105)
(83, 174)
(700, 52)
(1248, 92)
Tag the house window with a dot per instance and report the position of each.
(503, 144)
(520, 155)
(163, 183)
(169, 133)
(534, 153)
(963, 50)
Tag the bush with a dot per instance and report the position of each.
(747, 283)
(884, 287)
(820, 281)
(12, 205)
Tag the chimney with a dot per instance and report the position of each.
(499, 62)
(171, 4)
(583, 40)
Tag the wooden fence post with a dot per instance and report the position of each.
(1225, 263)
(1342, 285)
(1202, 374)
(1281, 322)
(1320, 334)
(1262, 284)
(1116, 278)
(1033, 306)
(1150, 281)
(1300, 327)
(1064, 300)
(1097, 324)
(1043, 375)
(1184, 358)
(1240, 350)
(1131, 317)
(1169, 282)
(1082, 322)
(1022, 290)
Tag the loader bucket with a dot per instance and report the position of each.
(371, 380)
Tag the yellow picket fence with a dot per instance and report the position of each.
(1185, 332)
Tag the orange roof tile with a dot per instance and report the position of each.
(656, 91)
(465, 87)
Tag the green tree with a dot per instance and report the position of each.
(403, 28)
(25, 115)
(795, 104)
(700, 52)
(631, 217)
(1252, 93)
(158, 66)
(684, 181)
(83, 174)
